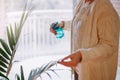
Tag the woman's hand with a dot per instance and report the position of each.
(61, 24)
(89, 1)
(71, 60)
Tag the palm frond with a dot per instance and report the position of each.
(4, 76)
(3, 59)
(37, 72)
(3, 64)
(17, 77)
(54, 72)
(4, 54)
(10, 39)
(8, 49)
(49, 75)
(5, 46)
(1, 69)
(21, 76)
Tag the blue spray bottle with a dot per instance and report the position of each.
(59, 30)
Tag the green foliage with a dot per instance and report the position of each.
(21, 77)
(34, 74)
(8, 49)
(46, 69)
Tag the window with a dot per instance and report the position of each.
(37, 45)
(36, 35)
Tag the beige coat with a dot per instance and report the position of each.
(96, 37)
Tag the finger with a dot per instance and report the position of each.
(68, 64)
(65, 64)
(53, 31)
(51, 27)
(68, 57)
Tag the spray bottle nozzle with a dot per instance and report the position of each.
(54, 26)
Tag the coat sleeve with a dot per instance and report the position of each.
(67, 25)
(108, 34)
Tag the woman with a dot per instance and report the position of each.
(94, 40)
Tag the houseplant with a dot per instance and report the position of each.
(35, 73)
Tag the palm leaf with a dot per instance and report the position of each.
(9, 39)
(22, 73)
(3, 64)
(54, 72)
(21, 76)
(12, 35)
(2, 75)
(3, 59)
(15, 30)
(40, 77)
(2, 70)
(23, 18)
(31, 75)
(4, 54)
(17, 76)
(41, 70)
(49, 75)
(5, 46)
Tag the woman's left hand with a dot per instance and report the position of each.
(71, 60)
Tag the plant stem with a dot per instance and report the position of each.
(10, 64)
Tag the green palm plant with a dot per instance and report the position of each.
(35, 73)
(9, 47)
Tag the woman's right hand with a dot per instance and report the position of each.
(61, 24)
